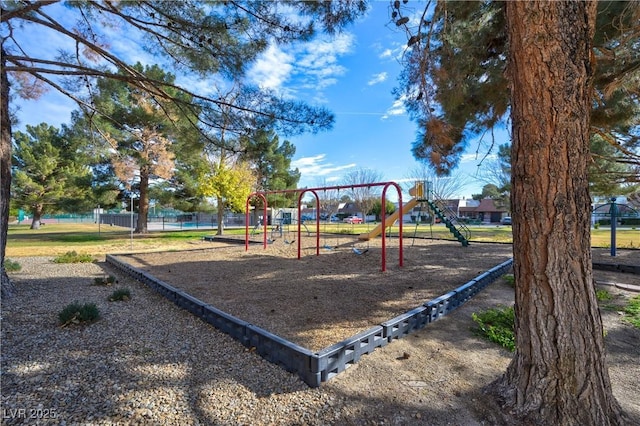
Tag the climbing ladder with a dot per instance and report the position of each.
(447, 216)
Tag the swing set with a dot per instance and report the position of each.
(262, 195)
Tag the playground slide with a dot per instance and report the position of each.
(389, 220)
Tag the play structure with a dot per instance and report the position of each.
(421, 194)
(262, 196)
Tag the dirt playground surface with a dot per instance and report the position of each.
(317, 301)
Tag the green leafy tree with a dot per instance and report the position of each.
(202, 39)
(376, 208)
(47, 173)
(140, 129)
(460, 91)
(105, 187)
(488, 191)
(271, 162)
(230, 184)
(469, 64)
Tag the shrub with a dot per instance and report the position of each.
(11, 266)
(121, 294)
(497, 325)
(632, 312)
(105, 280)
(75, 313)
(510, 279)
(73, 257)
(603, 295)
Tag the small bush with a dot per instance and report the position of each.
(75, 313)
(73, 257)
(110, 280)
(11, 266)
(632, 312)
(497, 325)
(121, 294)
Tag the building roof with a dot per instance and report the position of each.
(486, 205)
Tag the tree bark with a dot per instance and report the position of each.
(143, 202)
(6, 287)
(558, 375)
(37, 216)
(220, 213)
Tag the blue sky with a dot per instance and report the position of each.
(352, 74)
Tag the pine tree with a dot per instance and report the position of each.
(537, 60)
(200, 38)
(47, 173)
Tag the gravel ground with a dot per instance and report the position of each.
(147, 361)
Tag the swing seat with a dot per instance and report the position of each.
(358, 251)
(327, 247)
(289, 242)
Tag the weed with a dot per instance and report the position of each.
(632, 312)
(73, 257)
(11, 266)
(75, 313)
(105, 280)
(510, 279)
(602, 295)
(497, 325)
(121, 294)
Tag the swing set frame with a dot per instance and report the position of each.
(314, 191)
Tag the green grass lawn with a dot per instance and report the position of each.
(54, 239)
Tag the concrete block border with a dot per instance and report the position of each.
(617, 267)
(317, 367)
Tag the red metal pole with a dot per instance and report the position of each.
(384, 216)
(338, 187)
(317, 221)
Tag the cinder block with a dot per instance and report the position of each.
(273, 348)
(406, 323)
(337, 358)
(226, 323)
(190, 303)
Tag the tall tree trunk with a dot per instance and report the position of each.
(220, 212)
(6, 288)
(37, 216)
(558, 375)
(143, 202)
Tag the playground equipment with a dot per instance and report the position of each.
(391, 219)
(422, 194)
(301, 192)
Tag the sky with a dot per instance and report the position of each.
(352, 74)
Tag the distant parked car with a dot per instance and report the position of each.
(506, 220)
(352, 219)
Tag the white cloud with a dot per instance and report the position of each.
(312, 65)
(316, 166)
(386, 53)
(475, 157)
(272, 69)
(377, 78)
(397, 108)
